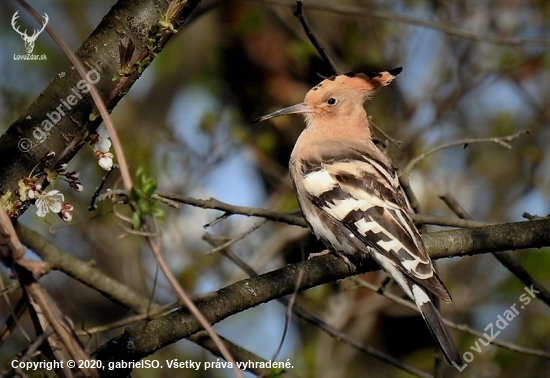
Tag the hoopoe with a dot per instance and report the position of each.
(350, 195)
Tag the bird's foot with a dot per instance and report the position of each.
(319, 254)
(351, 267)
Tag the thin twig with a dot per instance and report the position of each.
(235, 239)
(288, 314)
(13, 320)
(523, 275)
(404, 175)
(219, 219)
(529, 216)
(93, 204)
(112, 194)
(182, 295)
(35, 345)
(299, 13)
(503, 141)
(413, 201)
(395, 142)
(10, 288)
(455, 207)
(153, 312)
(215, 204)
(460, 327)
(289, 218)
(446, 221)
(335, 7)
(167, 201)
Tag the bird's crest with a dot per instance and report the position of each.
(368, 82)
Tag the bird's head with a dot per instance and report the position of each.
(338, 96)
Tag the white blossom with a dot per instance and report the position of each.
(104, 143)
(106, 161)
(51, 201)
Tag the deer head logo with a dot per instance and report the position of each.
(29, 40)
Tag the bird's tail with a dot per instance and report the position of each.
(435, 324)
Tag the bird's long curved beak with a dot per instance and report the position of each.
(294, 109)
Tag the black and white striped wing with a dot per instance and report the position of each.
(363, 195)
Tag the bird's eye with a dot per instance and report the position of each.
(331, 101)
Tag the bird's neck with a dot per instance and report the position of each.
(353, 125)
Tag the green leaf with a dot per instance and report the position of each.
(136, 221)
(141, 195)
(158, 212)
(149, 188)
(134, 194)
(143, 207)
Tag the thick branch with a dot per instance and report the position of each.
(147, 339)
(48, 123)
(494, 238)
(82, 271)
(503, 257)
(312, 319)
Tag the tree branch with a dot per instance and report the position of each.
(126, 21)
(503, 141)
(406, 172)
(299, 13)
(503, 257)
(242, 295)
(296, 220)
(82, 271)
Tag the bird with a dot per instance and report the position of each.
(350, 195)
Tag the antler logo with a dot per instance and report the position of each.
(29, 40)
